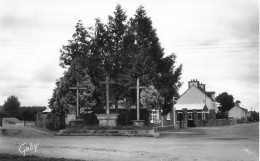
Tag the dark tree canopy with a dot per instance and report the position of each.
(29, 113)
(226, 100)
(12, 105)
(124, 50)
(149, 62)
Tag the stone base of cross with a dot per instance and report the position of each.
(139, 123)
(107, 119)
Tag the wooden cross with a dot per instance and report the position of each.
(77, 88)
(107, 82)
(138, 98)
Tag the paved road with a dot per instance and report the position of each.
(230, 143)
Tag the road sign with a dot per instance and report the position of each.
(157, 121)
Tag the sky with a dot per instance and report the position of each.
(216, 41)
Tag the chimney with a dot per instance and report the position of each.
(237, 103)
(202, 86)
(194, 82)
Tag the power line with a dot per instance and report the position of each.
(231, 51)
(228, 38)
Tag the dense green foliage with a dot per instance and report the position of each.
(254, 116)
(124, 50)
(29, 113)
(151, 99)
(226, 100)
(11, 106)
(63, 100)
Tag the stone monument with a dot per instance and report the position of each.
(107, 119)
(77, 121)
(138, 122)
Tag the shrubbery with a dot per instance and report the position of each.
(29, 113)
(242, 120)
(55, 122)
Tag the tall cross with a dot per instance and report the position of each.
(107, 82)
(137, 97)
(77, 88)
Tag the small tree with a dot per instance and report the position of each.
(12, 105)
(151, 99)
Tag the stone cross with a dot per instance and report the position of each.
(137, 97)
(107, 82)
(77, 88)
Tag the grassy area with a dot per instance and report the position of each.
(114, 128)
(11, 157)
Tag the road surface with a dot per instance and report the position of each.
(228, 143)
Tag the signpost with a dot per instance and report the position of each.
(157, 122)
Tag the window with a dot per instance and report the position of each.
(169, 116)
(203, 116)
(179, 116)
(190, 116)
(199, 115)
(154, 115)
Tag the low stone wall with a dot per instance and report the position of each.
(73, 132)
(162, 128)
(213, 122)
(221, 122)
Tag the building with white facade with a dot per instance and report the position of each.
(237, 112)
(198, 103)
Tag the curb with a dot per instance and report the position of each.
(40, 131)
(184, 133)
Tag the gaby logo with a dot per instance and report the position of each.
(27, 147)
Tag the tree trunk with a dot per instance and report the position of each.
(116, 104)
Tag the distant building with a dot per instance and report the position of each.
(197, 103)
(249, 116)
(237, 112)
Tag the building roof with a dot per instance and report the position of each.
(12, 120)
(201, 106)
(238, 107)
(200, 89)
(47, 110)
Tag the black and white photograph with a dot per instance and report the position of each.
(121, 80)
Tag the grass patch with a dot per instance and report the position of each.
(11, 157)
(96, 127)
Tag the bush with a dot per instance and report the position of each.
(242, 120)
(55, 122)
(221, 115)
(29, 113)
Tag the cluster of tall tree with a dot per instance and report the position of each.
(124, 49)
(12, 108)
